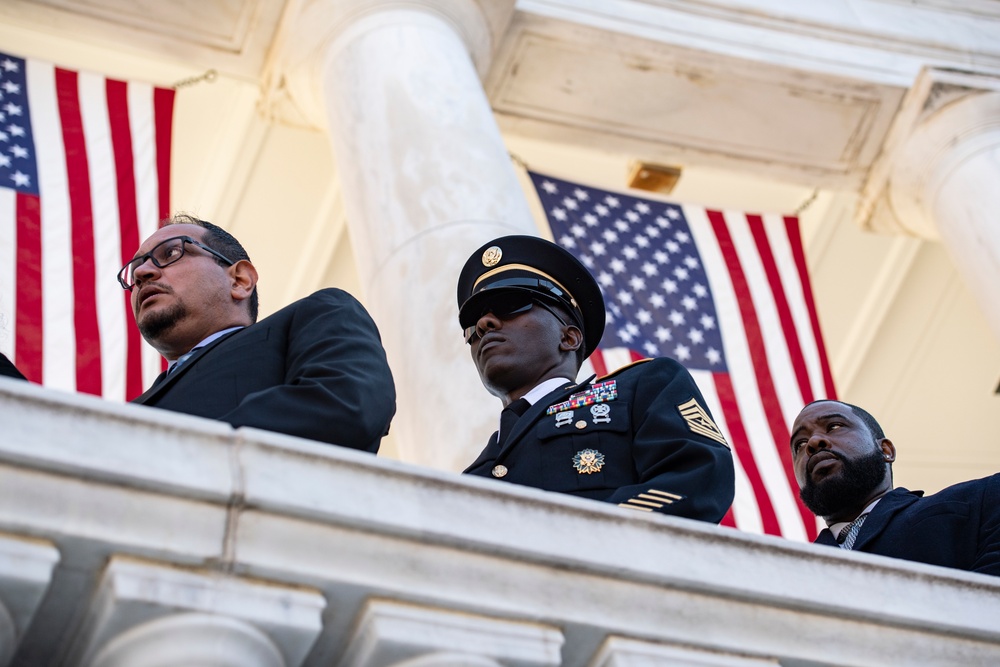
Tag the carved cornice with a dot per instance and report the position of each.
(944, 117)
(310, 30)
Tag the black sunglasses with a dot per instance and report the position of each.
(505, 307)
(162, 255)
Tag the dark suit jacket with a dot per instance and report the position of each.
(314, 369)
(957, 527)
(8, 369)
(655, 458)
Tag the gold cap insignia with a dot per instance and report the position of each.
(588, 461)
(492, 255)
(699, 422)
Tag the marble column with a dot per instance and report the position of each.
(426, 179)
(399, 634)
(148, 614)
(8, 635)
(940, 177)
(190, 640)
(26, 568)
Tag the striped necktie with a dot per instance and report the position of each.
(849, 533)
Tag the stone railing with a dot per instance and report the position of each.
(132, 537)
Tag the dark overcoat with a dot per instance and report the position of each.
(315, 369)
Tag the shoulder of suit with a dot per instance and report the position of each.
(967, 488)
(330, 291)
(327, 295)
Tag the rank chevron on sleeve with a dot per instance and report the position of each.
(699, 422)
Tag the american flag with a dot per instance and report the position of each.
(84, 176)
(726, 294)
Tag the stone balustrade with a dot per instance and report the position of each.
(132, 537)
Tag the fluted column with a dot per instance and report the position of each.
(939, 178)
(426, 179)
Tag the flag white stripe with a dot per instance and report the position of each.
(778, 360)
(616, 357)
(142, 124)
(746, 511)
(107, 243)
(744, 380)
(8, 270)
(778, 238)
(59, 334)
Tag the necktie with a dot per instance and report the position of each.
(849, 533)
(509, 417)
(181, 359)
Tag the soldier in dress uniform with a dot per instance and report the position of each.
(641, 438)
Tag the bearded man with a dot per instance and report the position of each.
(843, 464)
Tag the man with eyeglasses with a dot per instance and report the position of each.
(640, 438)
(314, 369)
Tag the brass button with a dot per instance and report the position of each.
(499, 471)
(491, 256)
(581, 424)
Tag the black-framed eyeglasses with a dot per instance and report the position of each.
(505, 307)
(162, 255)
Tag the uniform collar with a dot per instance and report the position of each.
(546, 388)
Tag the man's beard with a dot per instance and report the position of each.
(858, 478)
(155, 324)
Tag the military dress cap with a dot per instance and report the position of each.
(531, 264)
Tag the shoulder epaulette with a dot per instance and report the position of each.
(622, 368)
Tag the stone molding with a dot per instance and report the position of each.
(878, 41)
(353, 528)
(623, 652)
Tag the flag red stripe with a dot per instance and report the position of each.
(28, 325)
(781, 304)
(128, 221)
(741, 446)
(163, 110)
(758, 356)
(597, 361)
(729, 521)
(795, 241)
(88, 335)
